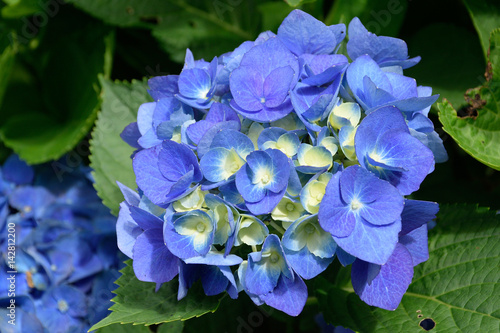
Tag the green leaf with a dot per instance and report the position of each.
(110, 155)
(172, 327)
(485, 15)
(118, 328)
(450, 72)
(296, 3)
(6, 63)
(273, 13)
(21, 8)
(137, 302)
(457, 287)
(381, 17)
(477, 129)
(209, 28)
(52, 100)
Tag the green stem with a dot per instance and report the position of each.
(277, 227)
(312, 300)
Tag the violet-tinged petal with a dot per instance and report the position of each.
(302, 33)
(370, 243)
(334, 214)
(306, 264)
(289, 296)
(388, 287)
(275, 86)
(16, 171)
(416, 243)
(145, 220)
(127, 230)
(417, 213)
(153, 262)
(131, 135)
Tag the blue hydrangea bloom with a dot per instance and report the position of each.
(165, 173)
(363, 214)
(263, 180)
(385, 146)
(386, 51)
(65, 247)
(260, 85)
(304, 155)
(384, 285)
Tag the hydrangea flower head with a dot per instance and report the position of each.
(274, 159)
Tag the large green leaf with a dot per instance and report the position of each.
(485, 15)
(110, 155)
(207, 27)
(51, 99)
(137, 302)
(450, 72)
(477, 128)
(381, 17)
(119, 328)
(457, 288)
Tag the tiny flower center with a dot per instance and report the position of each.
(234, 167)
(309, 228)
(355, 205)
(200, 227)
(53, 267)
(290, 207)
(62, 306)
(264, 179)
(262, 100)
(274, 258)
(27, 209)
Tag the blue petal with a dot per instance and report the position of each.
(127, 230)
(233, 139)
(387, 289)
(153, 262)
(249, 191)
(267, 204)
(213, 281)
(270, 134)
(344, 257)
(334, 214)
(289, 296)
(381, 202)
(163, 86)
(306, 264)
(215, 259)
(175, 160)
(130, 196)
(206, 141)
(275, 86)
(371, 243)
(250, 88)
(131, 134)
(194, 83)
(148, 176)
(302, 33)
(416, 243)
(145, 117)
(144, 219)
(417, 213)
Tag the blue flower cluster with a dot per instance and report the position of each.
(256, 169)
(59, 254)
